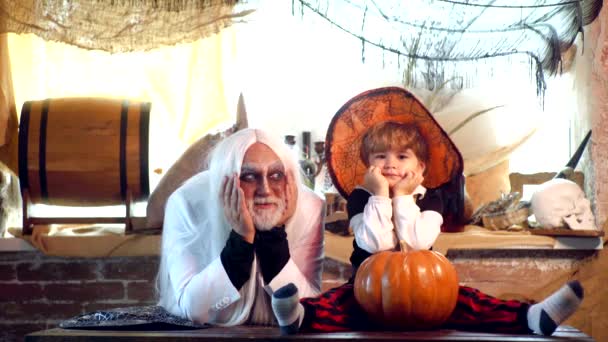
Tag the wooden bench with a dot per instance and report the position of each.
(250, 333)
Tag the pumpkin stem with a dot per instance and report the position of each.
(403, 246)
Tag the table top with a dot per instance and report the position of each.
(249, 333)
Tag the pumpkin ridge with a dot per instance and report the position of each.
(437, 291)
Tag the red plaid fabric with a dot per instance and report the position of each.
(479, 312)
(338, 310)
(334, 310)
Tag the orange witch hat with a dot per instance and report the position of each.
(343, 140)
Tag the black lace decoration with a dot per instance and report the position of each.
(131, 318)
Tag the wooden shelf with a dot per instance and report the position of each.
(566, 232)
(339, 247)
(250, 333)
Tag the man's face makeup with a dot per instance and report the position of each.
(263, 182)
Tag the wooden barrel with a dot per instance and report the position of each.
(84, 151)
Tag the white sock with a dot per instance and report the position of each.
(287, 309)
(546, 316)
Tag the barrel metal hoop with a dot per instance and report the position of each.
(144, 131)
(24, 128)
(44, 118)
(124, 116)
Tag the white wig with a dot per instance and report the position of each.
(204, 236)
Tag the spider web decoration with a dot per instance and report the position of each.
(455, 43)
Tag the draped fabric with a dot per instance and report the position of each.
(186, 84)
(90, 48)
(435, 42)
(8, 113)
(120, 25)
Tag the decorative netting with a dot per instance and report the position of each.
(457, 42)
(433, 42)
(120, 25)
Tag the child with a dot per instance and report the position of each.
(395, 155)
(402, 149)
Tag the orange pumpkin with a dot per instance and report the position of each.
(407, 290)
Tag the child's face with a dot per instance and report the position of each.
(395, 165)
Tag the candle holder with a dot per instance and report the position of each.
(290, 140)
(320, 151)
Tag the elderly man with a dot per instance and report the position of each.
(238, 231)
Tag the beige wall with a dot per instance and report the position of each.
(592, 88)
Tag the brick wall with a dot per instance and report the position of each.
(37, 292)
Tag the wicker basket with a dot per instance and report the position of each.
(505, 219)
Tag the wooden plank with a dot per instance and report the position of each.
(249, 333)
(338, 247)
(566, 232)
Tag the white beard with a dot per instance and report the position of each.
(266, 219)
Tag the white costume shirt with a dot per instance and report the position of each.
(199, 285)
(385, 221)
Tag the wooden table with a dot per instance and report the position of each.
(243, 333)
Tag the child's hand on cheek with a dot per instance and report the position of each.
(375, 182)
(407, 184)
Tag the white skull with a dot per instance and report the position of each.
(560, 202)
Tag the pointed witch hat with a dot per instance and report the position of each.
(349, 124)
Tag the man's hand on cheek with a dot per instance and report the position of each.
(235, 208)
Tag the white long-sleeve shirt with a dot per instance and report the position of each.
(197, 285)
(379, 222)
